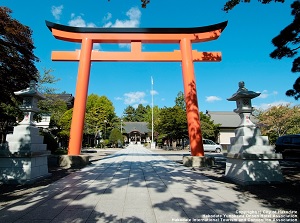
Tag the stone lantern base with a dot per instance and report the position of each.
(251, 160)
(23, 168)
(253, 171)
(24, 159)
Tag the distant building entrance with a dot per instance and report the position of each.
(185, 37)
(136, 133)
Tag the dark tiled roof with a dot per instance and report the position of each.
(227, 119)
(136, 126)
(68, 98)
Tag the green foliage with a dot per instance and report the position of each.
(287, 44)
(46, 79)
(60, 151)
(279, 120)
(17, 66)
(53, 105)
(50, 141)
(116, 137)
(64, 123)
(208, 128)
(229, 5)
(172, 123)
(179, 100)
(7, 119)
(100, 115)
(17, 60)
(129, 114)
(139, 114)
(148, 117)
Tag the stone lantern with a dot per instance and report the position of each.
(30, 97)
(243, 103)
(25, 158)
(250, 158)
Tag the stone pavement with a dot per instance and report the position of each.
(137, 185)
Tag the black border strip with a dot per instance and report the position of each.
(201, 29)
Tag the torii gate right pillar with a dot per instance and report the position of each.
(190, 94)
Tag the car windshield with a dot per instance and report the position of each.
(296, 140)
(206, 141)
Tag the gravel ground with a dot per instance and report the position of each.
(285, 196)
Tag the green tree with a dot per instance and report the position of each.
(45, 80)
(140, 113)
(64, 124)
(115, 137)
(172, 123)
(209, 129)
(17, 60)
(180, 101)
(279, 120)
(287, 42)
(17, 67)
(100, 115)
(129, 114)
(148, 117)
(8, 119)
(53, 104)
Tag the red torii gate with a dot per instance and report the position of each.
(136, 36)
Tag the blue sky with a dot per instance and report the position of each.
(245, 45)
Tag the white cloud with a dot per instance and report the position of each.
(265, 94)
(265, 106)
(107, 17)
(125, 45)
(133, 14)
(153, 92)
(78, 21)
(212, 98)
(133, 98)
(118, 98)
(57, 11)
(107, 25)
(96, 46)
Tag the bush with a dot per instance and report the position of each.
(50, 141)
(60, 151)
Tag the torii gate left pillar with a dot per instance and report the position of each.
(136, 36)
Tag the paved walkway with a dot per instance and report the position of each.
(134, 185)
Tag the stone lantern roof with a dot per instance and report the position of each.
(243, 92)
(30, 91)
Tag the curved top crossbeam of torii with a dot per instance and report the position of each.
(136, 37)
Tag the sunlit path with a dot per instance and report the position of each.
(132, 185)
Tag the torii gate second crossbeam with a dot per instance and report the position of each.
(136, 37)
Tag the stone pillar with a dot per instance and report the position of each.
(24, 159)
(250, 158)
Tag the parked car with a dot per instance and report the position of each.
(288, 144)
(211, 146)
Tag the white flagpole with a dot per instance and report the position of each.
(152, 139)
